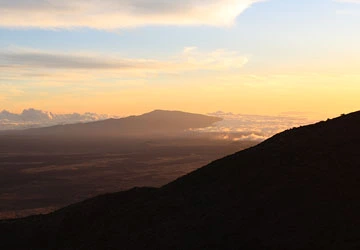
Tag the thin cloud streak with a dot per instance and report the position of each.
(348, 1)
(29, 63)
(39, 59)
(112, 14)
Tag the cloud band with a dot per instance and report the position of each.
(113, 14)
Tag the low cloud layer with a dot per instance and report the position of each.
(32, 118)
(113, 14)
(233, 127)
(242, 127)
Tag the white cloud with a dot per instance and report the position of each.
(31, 118)
(114, 14)
(188, 50)
(243, 127)
(220, 59)
(250, 137)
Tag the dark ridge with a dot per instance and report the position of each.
(297, 190)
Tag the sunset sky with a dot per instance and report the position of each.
(132, 56)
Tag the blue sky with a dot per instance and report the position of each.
(265, 39)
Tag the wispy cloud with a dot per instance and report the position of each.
(9, 91)
(54, 60)
(348, 11)
(348, 1)
(114, 14)
(21, 63)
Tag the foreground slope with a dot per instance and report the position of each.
(298, 190)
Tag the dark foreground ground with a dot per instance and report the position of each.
(39, 174)
(297, 190)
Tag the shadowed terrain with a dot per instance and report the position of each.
(297, 190)
(38, 175)
(43, 172)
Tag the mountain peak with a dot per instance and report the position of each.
(157, 122)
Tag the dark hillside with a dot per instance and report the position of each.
(298, 190)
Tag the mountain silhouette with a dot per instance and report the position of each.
(296, 190)
(157, 122)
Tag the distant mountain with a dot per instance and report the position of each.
(296, 190)
(158, 122)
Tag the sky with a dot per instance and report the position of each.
(261, 57)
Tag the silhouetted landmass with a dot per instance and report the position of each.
(297, 190)
(46, 169)
(158, 122)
